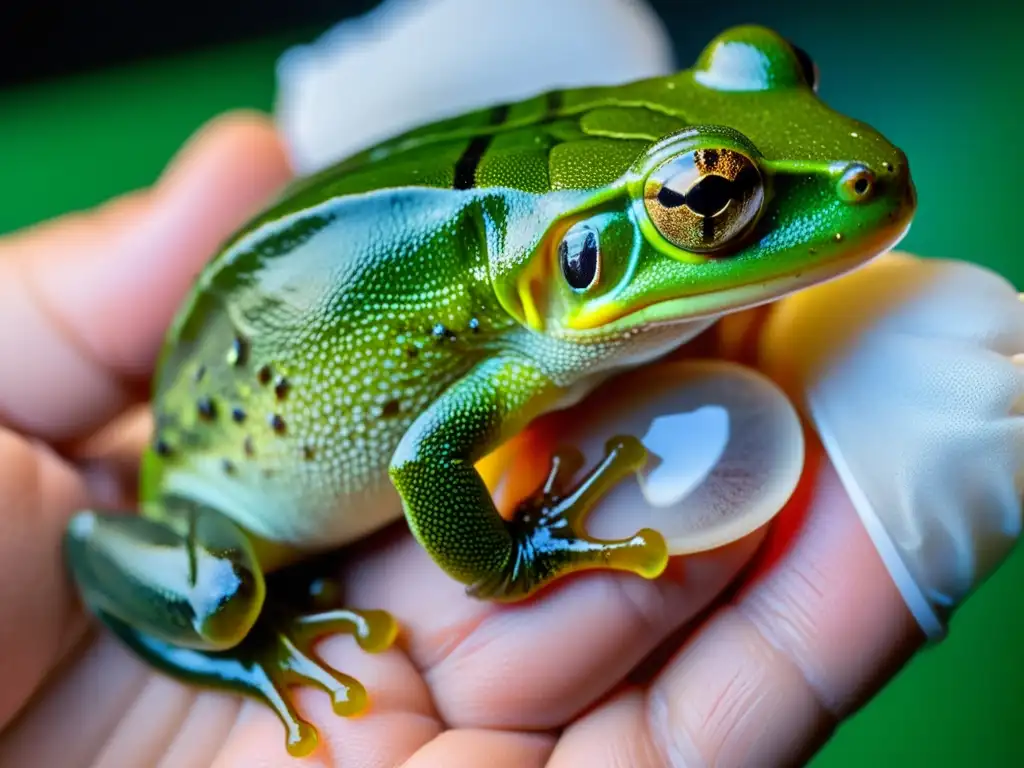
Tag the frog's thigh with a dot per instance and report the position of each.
(450, 510)
(189, 578)
(184, 593)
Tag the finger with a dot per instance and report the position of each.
(71, 720)
(470, 748)
(400, 718)
(85, 301)
(39, 616)
(768, 677)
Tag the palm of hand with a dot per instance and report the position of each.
(556, 681)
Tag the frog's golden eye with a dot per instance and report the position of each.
(705, 199)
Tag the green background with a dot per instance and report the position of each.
(944, 86)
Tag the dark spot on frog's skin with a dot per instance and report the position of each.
(200, 372)
(888, 167)
(238, 415)
(474, 325)
(308, 452)
(281, 387)
(247, 446)
(263, 374)
(239, 352)
(812, 251)
(206, 409)
(162, 448)
(412, 352)
(227, 466)
(391, 409)
(276, 422)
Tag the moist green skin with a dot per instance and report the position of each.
(353, 351)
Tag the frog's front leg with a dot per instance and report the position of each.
(186, 593)
(450, 510)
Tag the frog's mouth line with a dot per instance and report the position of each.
(686, 309)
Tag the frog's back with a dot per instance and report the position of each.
(323, 328)
(564, 139)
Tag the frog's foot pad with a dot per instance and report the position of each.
(550, 527)
(276, 654)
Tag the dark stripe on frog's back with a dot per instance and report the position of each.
(436, 154)
(465, 168)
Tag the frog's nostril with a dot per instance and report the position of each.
(857, 184)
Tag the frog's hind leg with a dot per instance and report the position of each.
(189, 577)
(188, 596)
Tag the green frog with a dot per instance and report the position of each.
(353, 352)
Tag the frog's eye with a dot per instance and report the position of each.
(705, 199)
(579, 256)
(807, 66)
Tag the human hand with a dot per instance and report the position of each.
(602, 669)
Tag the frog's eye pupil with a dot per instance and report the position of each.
(706, 199)
(579, 257)
(709, 195)
(861, 186)
(670, 198)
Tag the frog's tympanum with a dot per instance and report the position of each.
(354, 351)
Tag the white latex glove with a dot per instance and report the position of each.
(906, 369)
(349, 89)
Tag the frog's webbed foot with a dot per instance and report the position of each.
(276, 654)
(187, 595)
(549, 528)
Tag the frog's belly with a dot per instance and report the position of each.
(305, 509)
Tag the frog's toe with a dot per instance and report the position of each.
(550, 528)
(274, 656)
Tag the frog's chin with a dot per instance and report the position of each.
(736, 299)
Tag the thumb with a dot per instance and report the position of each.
(85, 300)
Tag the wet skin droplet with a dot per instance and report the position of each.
(441, 332)
(281, 387)
(238, 415)
(276, 422)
